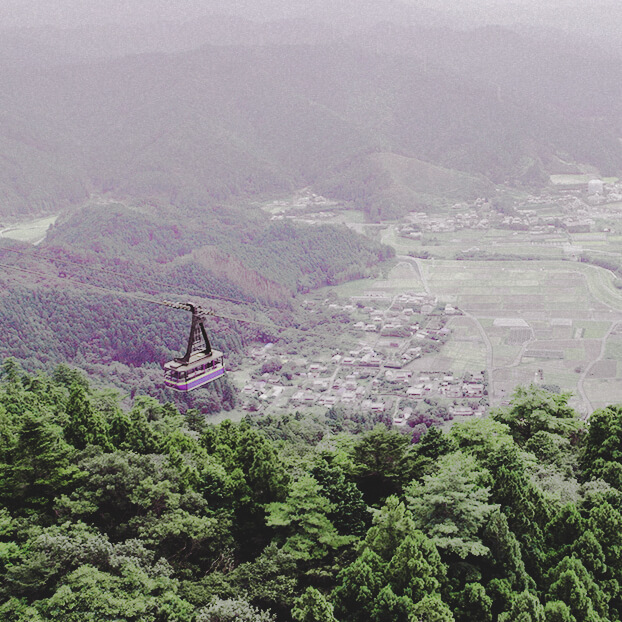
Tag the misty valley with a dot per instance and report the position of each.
(398, 230)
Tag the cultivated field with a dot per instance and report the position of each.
(32, 231)
(537, 321)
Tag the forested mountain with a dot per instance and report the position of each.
(149, 515)
(237, 262)
(264, 259)
(222, 121)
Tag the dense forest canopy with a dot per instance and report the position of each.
(145, 514)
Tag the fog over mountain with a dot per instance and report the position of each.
(146, 99)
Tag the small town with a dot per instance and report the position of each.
(388, 335)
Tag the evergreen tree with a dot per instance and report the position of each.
(388, 606)
(84, 426)
(391, 524)
(312, 606)
(308, 532)
(349, 513)
(473, 604)
(525, 608)
(452, 505)
(571, 583)
(358, 586)
(416, 570)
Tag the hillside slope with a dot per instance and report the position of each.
(220, 122)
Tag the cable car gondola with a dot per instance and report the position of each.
(200, 364)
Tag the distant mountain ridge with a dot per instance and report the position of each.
(208, 125)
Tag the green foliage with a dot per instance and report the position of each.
(474, 604)
(416, 570)
(571, 583)
(533, 409)
(432, 609)
(381, 458)
(233, 610)
(308, 532)
(349, 513)
(602, 451)
(312, 606)
(140, 517)
(505, 553)
(85, 426)
(388, 606)
(358, 586)
(391, 524)
(557, 611)
(525, 608)
(452, 505)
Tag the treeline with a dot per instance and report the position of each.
(483, 255)
(145, 514)
(608, 263)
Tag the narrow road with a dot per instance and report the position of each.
(580, 388)
(489, 354)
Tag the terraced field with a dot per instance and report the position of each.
(569, 307)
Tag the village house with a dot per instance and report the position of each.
(461, 411)
(328, 400)
(453, 390)
(348, 397)
(403, 376)
(473, 390)
(371, 360)
(415, 391)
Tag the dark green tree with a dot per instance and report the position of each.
(84, 425)
(451, 506)
(472, 603)
(312, 606)
(416, 569)
(349, 512)
(525, 608)
(303, 521)
(388, 606)
(358, 586)
(602, 451)
(572, 584)
(533, 409)
(382, 463)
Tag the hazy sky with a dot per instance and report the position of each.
(596, 18)
(76, 12)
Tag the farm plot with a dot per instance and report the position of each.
(613, 349)
(603, 392)
(518, 336)
(464, 329)
(603, 369)
(569, 308)
(592, 330)
(464, 356)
